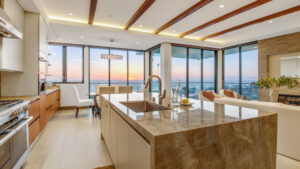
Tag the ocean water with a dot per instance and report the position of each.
(248, 90)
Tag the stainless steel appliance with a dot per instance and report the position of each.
(13, 133)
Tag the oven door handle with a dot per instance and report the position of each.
(12, 132)
(20, 126)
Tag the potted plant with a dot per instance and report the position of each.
(273, 84)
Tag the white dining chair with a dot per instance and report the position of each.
(79, 103)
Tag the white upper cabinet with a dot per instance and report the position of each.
(11, 52)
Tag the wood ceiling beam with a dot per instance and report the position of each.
(184, 14)
(146, 5)
(226, 16)
(263, 19)
(93, 7)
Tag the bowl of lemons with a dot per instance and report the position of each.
(185, 102)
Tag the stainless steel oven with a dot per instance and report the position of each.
(14, 137)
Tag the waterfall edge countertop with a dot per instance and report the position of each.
(201, 114)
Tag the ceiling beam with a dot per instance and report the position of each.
(263, 19)
(184, 14)
(93, 7)
(226, 16)
(146, 5)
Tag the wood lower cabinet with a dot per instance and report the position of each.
(42, 110)
(127, 149)
(34, 131)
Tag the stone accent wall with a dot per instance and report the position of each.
(273, 46)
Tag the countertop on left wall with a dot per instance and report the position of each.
(29, 98)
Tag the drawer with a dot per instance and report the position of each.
(34, 110)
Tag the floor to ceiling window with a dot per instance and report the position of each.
(136, 69)
(98, 68)
(195, 65)
(56, 60)
(74, 64)
(155, 68)
(195, 72)
(232, 71)
(126, 71)
(241, 69)
(249, 71)
(209, 73)
(118, 68)
(179, 59)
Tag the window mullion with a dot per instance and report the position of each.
(240, 70)
(64, 64)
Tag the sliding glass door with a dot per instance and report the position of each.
(209, 73)
(232, 71)
(179, 59)
(195, 73)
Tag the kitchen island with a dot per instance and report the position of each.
(203, 136)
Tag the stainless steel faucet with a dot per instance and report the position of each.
(161, 95)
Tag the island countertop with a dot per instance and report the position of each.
(181, 118)
(205, 135)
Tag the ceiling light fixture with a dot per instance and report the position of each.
(270, 21)
(81, 36)
(110, 56)
(70, 14)
(222, 6)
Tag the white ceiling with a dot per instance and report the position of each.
(118, 12)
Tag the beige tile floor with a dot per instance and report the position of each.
(69, 143)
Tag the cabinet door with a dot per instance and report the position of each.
(138, 151)
(122, 154)
(113, 148)
(34, 110)
(43, 115)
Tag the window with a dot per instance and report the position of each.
(66, 64)
(55, 71)
(126, 71)
(179, 59)
(195, 68)
(155, 68)
(74, 64)
(241, 69)
(249, 71)
(195, 75)
(136, 69)
(209, 73)
(231, 73)
(98, 68)
(118, 68)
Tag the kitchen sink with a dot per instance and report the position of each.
(144, 106)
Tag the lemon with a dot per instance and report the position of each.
(185, 101)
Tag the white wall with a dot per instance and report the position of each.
(67, 94)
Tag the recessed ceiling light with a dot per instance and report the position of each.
(270, 21)
(222, 6)
(173, 30)
(70, 14)
(140, 26)
(81, 36)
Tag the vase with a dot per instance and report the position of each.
(274, 93)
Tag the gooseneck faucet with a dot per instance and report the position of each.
(161, 96)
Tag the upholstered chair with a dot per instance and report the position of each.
(79, 103)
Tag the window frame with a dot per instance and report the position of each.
(187, 63)
(64, 63)
(109, 63)
(240, 46)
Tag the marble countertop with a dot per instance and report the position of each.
(29, 98)
(200, 115)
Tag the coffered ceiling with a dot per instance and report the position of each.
(181, 21)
